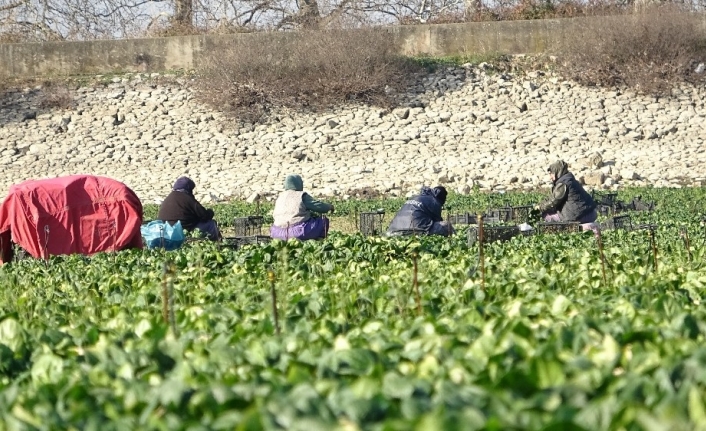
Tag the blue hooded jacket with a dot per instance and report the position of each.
(418, 214)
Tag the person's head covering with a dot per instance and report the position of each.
(294, 182)
(426, 191)
(184, 184)
(558, 168)
(439, 192)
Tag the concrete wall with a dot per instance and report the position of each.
(508, 37)
(184, 52)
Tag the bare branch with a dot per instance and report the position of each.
(11, 6)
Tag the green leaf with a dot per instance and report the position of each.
(48, 368)
(396, 386)
(11, 334)
(547, 373)
(560, 305)
(697, 409)
(22, 414)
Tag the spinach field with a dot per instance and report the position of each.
(542, 341)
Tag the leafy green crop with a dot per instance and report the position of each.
(546, 345)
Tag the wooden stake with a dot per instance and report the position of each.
(273, 291)
(599, 240)
(687, 243)
(165, 293)
(653, 242)
(415, 284)
(172, 316)
(481, 253)
(46, 245)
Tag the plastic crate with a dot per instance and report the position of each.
(639, 205)
(370, 223)
(645, 227)
(248, 226)
(501, 214)
(605, 210)
(559, 227)
(618, 222)
(607, 199)
(461, 219)
(493, 234)
(622, 222)
(490, 219)
(521, 214)
(470, 219)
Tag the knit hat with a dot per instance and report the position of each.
(185, 183)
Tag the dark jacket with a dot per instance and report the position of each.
(418, 214)
(183, 206)
(569, 198)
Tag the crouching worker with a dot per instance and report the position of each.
(292, 213)
(569, 202)
(181, 205)
(421, 215)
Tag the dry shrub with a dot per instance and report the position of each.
(511, 10)
(169, 29)
(12, 33)
(56, 96)
(650, 51)
(12, 37)
(309, 70)
(551, 9)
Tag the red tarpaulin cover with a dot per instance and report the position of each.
(75, 214)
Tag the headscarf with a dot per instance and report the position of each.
(558, 168)
(293, 182)
(185, 185)
(440, 194)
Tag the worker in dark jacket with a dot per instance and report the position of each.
(181, 205)
(422, 215)
(569, 202)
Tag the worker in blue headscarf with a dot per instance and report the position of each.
(293, 213)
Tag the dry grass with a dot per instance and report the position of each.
(12, 37)
(650, 51)
(172, 29)
(306, 71)
(56, 95)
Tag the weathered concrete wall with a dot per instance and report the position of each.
(509, 37)
(102, 56)
(184, 52)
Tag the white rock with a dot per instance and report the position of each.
(254, 197)
(464, 189)
(629, 175)
(594, 178)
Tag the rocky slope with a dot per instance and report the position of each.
(462, 127)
